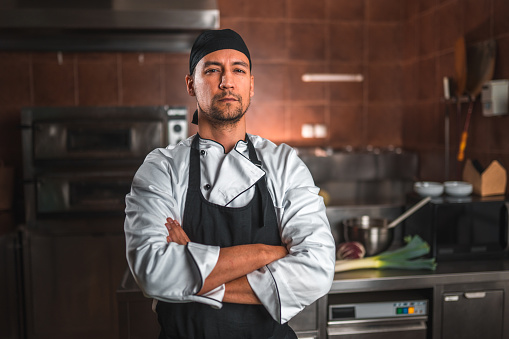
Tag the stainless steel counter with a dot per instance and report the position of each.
(391, 279)
(135, 315)
(486, 278)
(136, 319)
(446, 273)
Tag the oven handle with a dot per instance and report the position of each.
(380, 328)
(505, 214)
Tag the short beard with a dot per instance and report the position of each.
(219, 118)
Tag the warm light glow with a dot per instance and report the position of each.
(329, 77)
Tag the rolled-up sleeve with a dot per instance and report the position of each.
(288, 285)
(164, 271)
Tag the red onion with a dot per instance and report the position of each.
(350, 250)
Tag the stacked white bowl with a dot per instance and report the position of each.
(435, 189)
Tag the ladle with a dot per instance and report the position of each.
(408, 213)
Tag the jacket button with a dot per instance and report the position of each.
(207, 187)
(202, 152)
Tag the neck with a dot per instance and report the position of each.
(227, 136)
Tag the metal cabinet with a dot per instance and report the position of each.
(136, 320)
(11, 325)
(473, 314)
(310, 322)
(471, 310)
(70, 283)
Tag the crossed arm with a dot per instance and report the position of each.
(232, 266)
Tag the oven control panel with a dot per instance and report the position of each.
(177, 124)
(371, 310)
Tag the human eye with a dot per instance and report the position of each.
(240, 70)
(211, 70)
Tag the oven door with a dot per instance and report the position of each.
(91, 192)
(104, 139)
(388, 328)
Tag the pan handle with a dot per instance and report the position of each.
(409, 212)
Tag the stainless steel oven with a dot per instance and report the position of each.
(95, 138)
(78, 167)
(82, 191)
(81, 160)
(388, 315)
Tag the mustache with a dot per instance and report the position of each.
(222, 95)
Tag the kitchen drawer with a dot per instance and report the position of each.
(379, 329)
(473, 314)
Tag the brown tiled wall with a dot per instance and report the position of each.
(431, 29)
(403, 49)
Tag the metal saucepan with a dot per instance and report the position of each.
(376, 234)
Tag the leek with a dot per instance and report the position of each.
(406, 257)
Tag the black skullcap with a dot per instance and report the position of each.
(211, 41)
(215, 40)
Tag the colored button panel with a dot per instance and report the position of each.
(405, 310)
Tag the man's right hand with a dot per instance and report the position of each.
(175, 232)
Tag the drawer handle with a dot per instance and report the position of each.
(475, 295)
(451, 298)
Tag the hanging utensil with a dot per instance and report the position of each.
(481, 66)
(464, 134)
(460, 68)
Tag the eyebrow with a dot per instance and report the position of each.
(241, 63)
(217, 63)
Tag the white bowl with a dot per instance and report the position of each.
(428, 188)
(458, 188)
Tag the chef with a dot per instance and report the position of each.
(226, 230)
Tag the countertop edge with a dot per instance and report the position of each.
(450, 273)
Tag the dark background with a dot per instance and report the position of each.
(403, 49)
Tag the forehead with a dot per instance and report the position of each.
(224, 56)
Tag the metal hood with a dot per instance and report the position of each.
(104, 25)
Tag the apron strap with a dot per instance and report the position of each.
(252, 153)
(194, 165)
(261, 184)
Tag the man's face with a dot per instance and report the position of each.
(223, 86)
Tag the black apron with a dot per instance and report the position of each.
(212, 224)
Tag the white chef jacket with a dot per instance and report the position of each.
(175, 273)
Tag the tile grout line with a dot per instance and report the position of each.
(76, 80)
(120, 99)
(31, 78)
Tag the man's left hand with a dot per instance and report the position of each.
(175, 232)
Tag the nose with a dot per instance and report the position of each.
(226, 81)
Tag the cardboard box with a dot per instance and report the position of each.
(491, 181)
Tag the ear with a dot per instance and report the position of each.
(190, 85)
